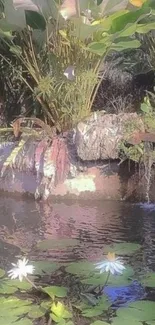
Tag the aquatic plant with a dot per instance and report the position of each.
(112, 265)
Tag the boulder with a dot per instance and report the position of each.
(99, 137)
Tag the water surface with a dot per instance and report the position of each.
(23, 223)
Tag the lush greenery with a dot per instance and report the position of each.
(45, 45)
(71, 298)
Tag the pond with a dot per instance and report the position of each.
(64, 240)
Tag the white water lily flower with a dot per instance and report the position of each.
(111, 264)
(21, 269)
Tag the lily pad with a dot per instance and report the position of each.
(138, 311)
(59, 312)
(57, 244)
(24, 321)
(92, 312)
(53, 291)
(117, 280)
(121, 321)
(148, 280)
(42, 267)
(24, 285)
(122, 248)
(35, 312)
(83, 268)
(2, 273)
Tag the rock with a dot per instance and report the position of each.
(99, 136)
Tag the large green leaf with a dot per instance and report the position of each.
(99, 279)
(35, 20)
(148, 280)
(83, 268)
(35, 312)
(122, 248)
(93, 312)
(121, 321)
(2, 273)
(124, 45)
(59, 312)
(24, 321)
(57, 244)
(53, 291)
(139, 311)
(42, 267)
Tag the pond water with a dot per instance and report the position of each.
(38, 230)
(23, 223)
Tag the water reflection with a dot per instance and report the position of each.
(24, 222)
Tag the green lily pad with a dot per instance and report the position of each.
(148, 280)
(53, 291)
(59, 311)
(24, 285)
(138, 311)
(92, 312)
(99, 279)
(24, 321)
(83, 268)
(57, 244)
(35, 312)
(121, 321)
(42, 267)
(122, 248)
(6, 289)
(2, 273)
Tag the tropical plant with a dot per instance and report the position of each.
(78, 43)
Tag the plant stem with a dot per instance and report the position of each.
(100, 291)
(32, 283)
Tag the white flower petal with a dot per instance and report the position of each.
(21, 269)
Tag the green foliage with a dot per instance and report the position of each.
(122, 248)
(54, 244)
(148, 280)
(138, 311)
(59, 312)
(45, 267)
(113, 26)
(53, 291)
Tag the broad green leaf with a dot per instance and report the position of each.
(6, 289)
(99, 48)
(35, 20)
(60, 311)
(2, 273)
(24, 285)
(148, 280)
(99, 279)
(122, 248)
(130, 17)
(24, 321)
(35, 312)
(8, 319)
(57, 244)
(83, 268)
(93, 312)
(42, 267)
(46, 305)
(139, 311)
(53, 291)
(145, 28)
(124, 45)
(121, 321)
